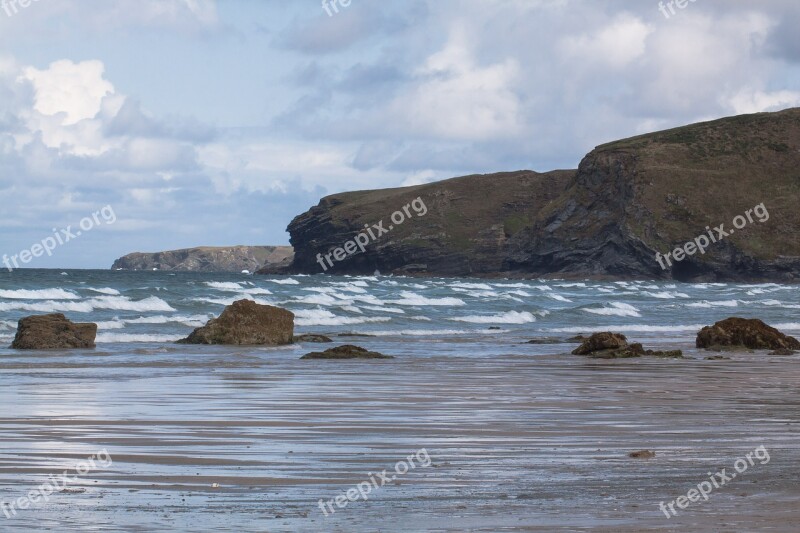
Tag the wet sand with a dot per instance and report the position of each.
(522, 438)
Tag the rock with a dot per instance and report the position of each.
(346, 351)
(609, 345)
(717, 358)
(747, 333)
(246, 323)
(628, 201)
(577, 338)
(642, 454)
(600, 342)
(783, 351)
(312, 338)
(51, 332)
(209, 259)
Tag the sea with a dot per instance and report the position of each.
(475, 428)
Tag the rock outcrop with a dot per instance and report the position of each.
(246, 323)
(609, 345)
(346, 351)
(744, 333)
(627, 201)
(51, 332)
(312, 338)
(209, 259)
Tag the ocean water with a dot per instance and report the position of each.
(521, 437)
(159, 307)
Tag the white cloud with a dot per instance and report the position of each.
(752, 101)
(616, 45)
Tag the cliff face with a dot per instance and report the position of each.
(208, 259)
(628, 201)
(465, 229)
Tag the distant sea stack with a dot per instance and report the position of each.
(628, 201)
(209, 259)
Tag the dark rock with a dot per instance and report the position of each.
(495, 327)
(51, 332)
(246, 323)
(783, 351)
(748, 333)
(717, 358)
(642, 454)
(346, 351)
(312, 338)
(602, 341)
(577, 338)
(609, 345)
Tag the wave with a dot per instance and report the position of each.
(107, 291)
(615, 309)
(558, 297)
(237, 287)
(665, 295)
(287, 281)
(414, 299)
(479, 286)
(511, 317)
(385, 309)
(721, 303)
(322, 317)
(106, 338)
(642, 328)
(39, 294)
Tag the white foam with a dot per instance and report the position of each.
(559, 297)
(414, 299)
(322, 317)
(230, 300)
(666, 295)
(287, 281)
(225, 286)
(49, 306)
(106, 338)
(479, 286)
(642, 328)
(40, 294)
(615, 309)
(511, 317)
(123, 303)
(722, 303)
(107, 291)
(385, 309)
(519, 293)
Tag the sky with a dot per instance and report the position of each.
(214, 123)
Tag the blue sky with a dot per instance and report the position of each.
(214, 123)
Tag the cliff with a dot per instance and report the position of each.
(208, 259)
(628, 201)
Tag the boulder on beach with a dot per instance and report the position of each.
(609, 345)
(311, 337)
(51, 332)
(346, 351)
(246, 323)
(745, 333)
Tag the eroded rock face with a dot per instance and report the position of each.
(51, 332)
(742, 332)
(347, 351)
(246, 323)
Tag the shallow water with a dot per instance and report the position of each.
(521, 437)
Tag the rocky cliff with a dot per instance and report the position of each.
(628, 201)
(208, 259)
